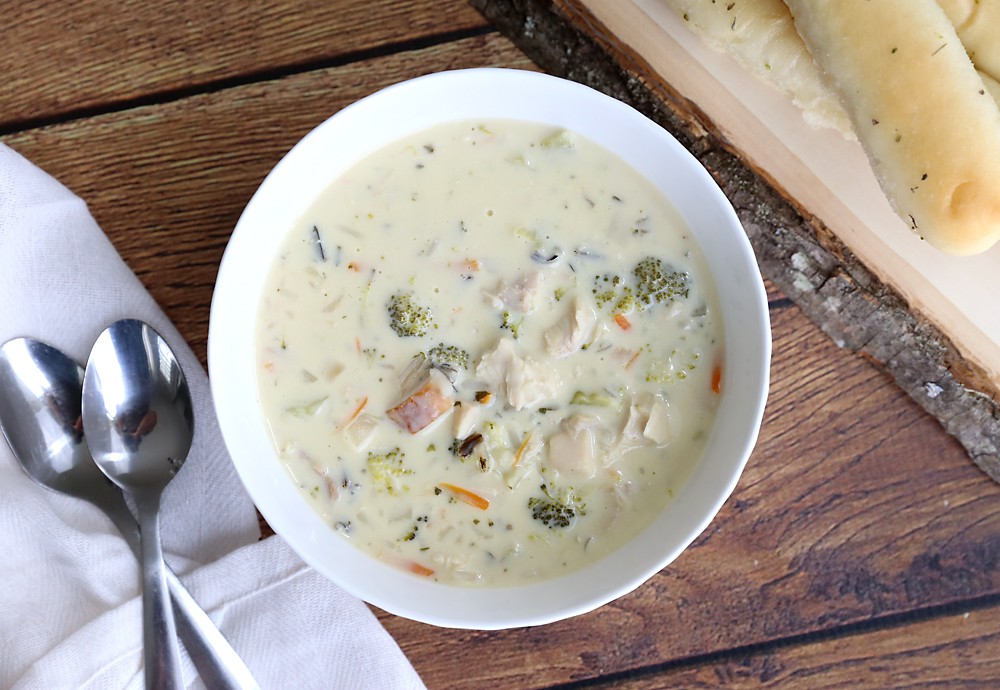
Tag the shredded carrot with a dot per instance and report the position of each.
(622, 321)
(470, 265)
(467, 496)
(354, 267)
(634, 357)
(269, 366)
(717, 379)
(357, 343)
(357, 411)
(419, 569)
(517, 457)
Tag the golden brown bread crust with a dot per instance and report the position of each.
(930, 127)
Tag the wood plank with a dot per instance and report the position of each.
(854, 506)
(168, 182)
(794, 249)
(69, 57)
(774, 293)
(957, 651)
(845, 461)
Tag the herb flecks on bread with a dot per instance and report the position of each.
(928, 123)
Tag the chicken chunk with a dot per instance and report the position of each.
(431, 400)
(660, 426)
(632, 435)
(516, 296)
(524, 381)
(571, 451)
(574, 329)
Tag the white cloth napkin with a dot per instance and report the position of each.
(70, 608)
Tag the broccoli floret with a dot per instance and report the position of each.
(511, 325)
(606, 289)
(658, 283)
(558, 511)
(609, 289)
(386, 468)
(627, 302)
(672, 369)
(448, 355)
(412, 534)
(408, 318)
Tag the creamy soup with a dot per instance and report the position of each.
(490, 353)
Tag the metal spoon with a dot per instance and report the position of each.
(40, 391)
(139, 424)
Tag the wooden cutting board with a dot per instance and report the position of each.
(931, 320)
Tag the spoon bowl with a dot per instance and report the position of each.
(137, 408)
(139, 422)
(40, 416)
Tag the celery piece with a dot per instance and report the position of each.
(528, 235)
(599, 399)
(563, 140)
(307, 410)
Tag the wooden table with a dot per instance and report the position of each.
(861, 547)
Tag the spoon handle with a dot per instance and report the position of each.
(159, 634)
(218, 664)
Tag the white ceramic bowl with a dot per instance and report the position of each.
(391, 114)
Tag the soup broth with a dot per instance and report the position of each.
(490, 353)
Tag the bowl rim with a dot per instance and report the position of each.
(541, 98)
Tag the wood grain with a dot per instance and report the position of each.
(855, 506)
(957, 651)
(168, 182)
(69, 57)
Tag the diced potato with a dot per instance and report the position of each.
(466, 416)
(360, 432)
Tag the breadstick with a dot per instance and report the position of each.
(992, 85)
(760, 35)
(977, 23)
(930, 127)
